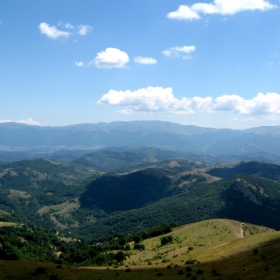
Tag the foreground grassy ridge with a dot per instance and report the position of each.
(202, 241)
(258, 262)
(212, 249)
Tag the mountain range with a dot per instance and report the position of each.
(19, 141)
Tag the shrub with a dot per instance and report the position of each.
(127, 247)
(166, 239)
(181, 272)
(200, 272)
(53, 277)
(40, 270)
(214, 272)
(140, 247)
(190, 261)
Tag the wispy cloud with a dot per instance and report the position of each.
(183, 52)
(29, 121)
(66, 25)
(223, 7)
(55, 32)
(162, 100)
(145, 60)
(84, 29)
(110, 58)
(79, 63)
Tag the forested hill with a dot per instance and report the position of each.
(242, 197)
(89, 202)
(260, 169)
(131, 191)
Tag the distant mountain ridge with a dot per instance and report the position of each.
(256, 143)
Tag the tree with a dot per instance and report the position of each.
(120, 256)
(166, 239)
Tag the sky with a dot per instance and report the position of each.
(206, 63)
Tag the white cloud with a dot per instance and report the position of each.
(111, 58)
(223, 7)
(183, 12)
(184, 51)
(261, 104)
(162, 100)
(154, 99)
(52, 31)
(29, 121)
(84, 29)
(5, 121)
(79, 63)
(55, 33)
(145, 60)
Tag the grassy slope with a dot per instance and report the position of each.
(225, 255)
(208, 240)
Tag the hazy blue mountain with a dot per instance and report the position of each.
(128, 159)
(215, 144)
(116, 134)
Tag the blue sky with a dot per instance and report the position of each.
(207, 63)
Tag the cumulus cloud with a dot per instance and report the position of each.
(145, 60)
(162, 100)
(29, 121)
(261, 104)
(54, 32)
(223, 7)
(154, 99)
(184, 12)
(183, 52)
(111, 58)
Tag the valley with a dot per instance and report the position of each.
(159, 210)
